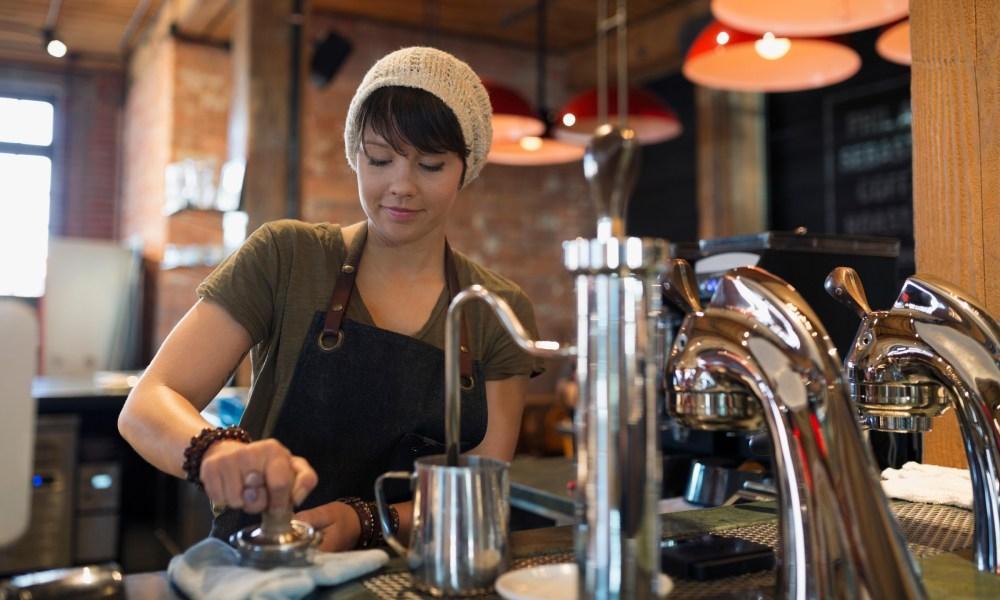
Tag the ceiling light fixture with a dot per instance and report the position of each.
(513, 117)
(808, 18)
(54, 46)
(652, 120)
(894, 44)
(747, 62)
(520, 135)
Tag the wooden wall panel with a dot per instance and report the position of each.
(732, 175)
(955, 156)
(988, 91)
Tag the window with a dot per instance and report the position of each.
(26, 131)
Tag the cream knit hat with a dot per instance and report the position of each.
(441, 74)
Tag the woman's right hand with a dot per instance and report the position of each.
(254, 477)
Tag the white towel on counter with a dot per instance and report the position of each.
(932, 484)
(210, 570)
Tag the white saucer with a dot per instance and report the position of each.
(550, 582)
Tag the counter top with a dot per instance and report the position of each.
(540, 486)
(947, 575)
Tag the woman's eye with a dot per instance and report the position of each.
(377, 163)
(432, 168)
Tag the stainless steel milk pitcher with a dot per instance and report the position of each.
(461, 515)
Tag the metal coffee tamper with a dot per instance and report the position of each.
(279, 541)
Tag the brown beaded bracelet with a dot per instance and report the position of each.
(201, 442)
(371, 524)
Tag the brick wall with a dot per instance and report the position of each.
(147, 139)
(85, 176)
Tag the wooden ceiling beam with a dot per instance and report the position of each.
(653, 47)
(200, 17)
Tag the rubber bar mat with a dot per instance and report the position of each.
(929, 528)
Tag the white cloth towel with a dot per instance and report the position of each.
(917, 482)
(210, 569)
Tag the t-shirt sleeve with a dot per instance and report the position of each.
(245, 283)
(503, 358)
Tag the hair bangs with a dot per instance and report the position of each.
(411, 116)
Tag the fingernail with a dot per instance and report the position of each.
(253, 479)
(250, 495)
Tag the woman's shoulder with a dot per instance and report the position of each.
(293, 231)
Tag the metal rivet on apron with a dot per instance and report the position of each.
(347, 269)
(337, 307)
(328, 347)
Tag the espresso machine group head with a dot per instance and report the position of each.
(934, 349)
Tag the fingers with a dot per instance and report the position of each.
(232, 488)
(338, 522)
(305, 480)
(256, 477)
(255, 497)
(319, 517)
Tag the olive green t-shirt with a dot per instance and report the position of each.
(285, 272)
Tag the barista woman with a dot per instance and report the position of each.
(345, 327)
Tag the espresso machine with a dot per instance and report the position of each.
(705, 466)
(757, 354)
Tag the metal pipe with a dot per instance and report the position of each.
(452, 384)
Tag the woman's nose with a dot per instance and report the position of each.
(403, 182)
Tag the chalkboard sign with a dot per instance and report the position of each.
(869, 172)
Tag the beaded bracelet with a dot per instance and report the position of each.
(200, 444)
(371, 530)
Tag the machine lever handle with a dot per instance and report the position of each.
(844, 284)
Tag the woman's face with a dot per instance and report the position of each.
(406, 196)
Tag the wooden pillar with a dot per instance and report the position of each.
(259, 129)
(732, 169)
(956, 161)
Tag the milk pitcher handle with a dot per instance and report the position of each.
(383, 508)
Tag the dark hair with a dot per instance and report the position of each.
(406, 115)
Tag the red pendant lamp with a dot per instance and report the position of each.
(519, 133)
(513, 118)
(894, 43)
(651, 119)
(808, 18)
(726, 58)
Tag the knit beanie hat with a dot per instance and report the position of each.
(441, 74)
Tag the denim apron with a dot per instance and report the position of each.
(364, 400)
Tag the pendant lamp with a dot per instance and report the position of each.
(513, 118)
(726, 58)
(652, 120)
(894, 43)
(808, 18)
(534, 151)
(519, 133)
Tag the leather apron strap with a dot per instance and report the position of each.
(332, 334)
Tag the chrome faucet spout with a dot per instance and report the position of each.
(936, 348)
(452, 347)
(839, 536)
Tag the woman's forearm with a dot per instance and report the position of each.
(159, 423)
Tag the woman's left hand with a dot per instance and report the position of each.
(338, 522)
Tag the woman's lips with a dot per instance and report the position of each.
(400, 214)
